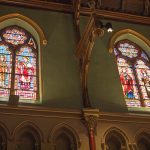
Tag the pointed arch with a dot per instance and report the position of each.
(27, 20)
(114, 137)
(128, 32)
(67, 129)
(30, 127)
(4, 136)
(5, 129)
(140, 132)
(134, 48)
(115, 130)
(35, 40)
(142, 139)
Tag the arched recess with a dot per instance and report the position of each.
(64, 131)
(28, 135)
(114, 139)
(132, 35)
(23, 21)
(34, 29)
(142, 139)
(4, 135)
(129, 48)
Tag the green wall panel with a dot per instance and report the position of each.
(60, 69)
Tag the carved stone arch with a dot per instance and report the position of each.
(25, 126)
(142, 135)
(34, 29)
(28, 132)
(115, 134)
(132, 35)
(21, 20)
(4, 136)
(66, 129)
(5, 129)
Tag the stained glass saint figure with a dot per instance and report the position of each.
(19, 77)
(134, 70)
(26, 70)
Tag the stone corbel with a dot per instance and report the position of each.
(91, 117)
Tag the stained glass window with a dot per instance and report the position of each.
(15, 36)
(18, 64)
(134, 70)
(5, 70)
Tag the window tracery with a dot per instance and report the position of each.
(134, 70)
(18, 61)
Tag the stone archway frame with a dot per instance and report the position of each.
(140, 132)
(32, 27)
(27, 20)
(5, 134)
(58, 128)
(115, 130)
(30, 127)
(133, 35)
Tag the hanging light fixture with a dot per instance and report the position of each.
(99, 24)
(109, 27)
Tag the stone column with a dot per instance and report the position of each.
(90, 121)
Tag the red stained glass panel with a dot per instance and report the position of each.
(134, 70)
(25, 78)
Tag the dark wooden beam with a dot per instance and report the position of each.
(147, 7)
(40, 4)
(84, 47)
(84, 11)
(76, 16)
(123, 17)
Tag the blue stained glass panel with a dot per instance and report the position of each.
(5, 70)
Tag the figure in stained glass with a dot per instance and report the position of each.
(134, 71)
(20, 77)
(127, 83)
(3, 70)
(26, 71)
(146, 80)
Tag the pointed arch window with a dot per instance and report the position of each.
(18, 64)
(134, 70)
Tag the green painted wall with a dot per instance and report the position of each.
(105, 90)
(60, 70)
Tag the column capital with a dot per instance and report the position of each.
(90, 118)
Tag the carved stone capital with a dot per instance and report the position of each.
(90, 118)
